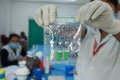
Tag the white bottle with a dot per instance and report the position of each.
(51, 50)
(46, 66)
(33, 50)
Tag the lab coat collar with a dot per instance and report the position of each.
(97, 36)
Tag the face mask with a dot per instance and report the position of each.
(14, 45)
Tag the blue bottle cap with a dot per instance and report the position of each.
(37, 72)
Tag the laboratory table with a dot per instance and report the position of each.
(57, 69)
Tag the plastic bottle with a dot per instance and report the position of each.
(59, 53)
(66, 52)
(33, 50)
(62, 30)
(52, 50)
(37, 73)
(46, 66)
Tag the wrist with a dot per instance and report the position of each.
(114, 28)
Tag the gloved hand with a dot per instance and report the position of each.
(45, 15)
(98, 14)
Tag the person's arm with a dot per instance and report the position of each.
(4, 59)
(117, 36)
(23, 52)
(98, 14)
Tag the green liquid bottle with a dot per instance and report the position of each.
(59, 55)
(66, 55)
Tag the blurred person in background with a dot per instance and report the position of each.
(23, 40)
(13, 52)
(118, 13)
(23, 36)
(4, 40)
(104, 63)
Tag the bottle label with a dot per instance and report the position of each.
(59, 55)
(66, 55)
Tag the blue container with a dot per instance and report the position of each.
(69, 70)
(37, 72)
(2, 76)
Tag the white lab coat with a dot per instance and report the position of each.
(105, 64)
(12, 55)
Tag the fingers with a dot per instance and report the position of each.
(38, 17)
(101, 11)
(83, 12)
(90, 11)
(52, 13)
(79, 15)
(45, 15)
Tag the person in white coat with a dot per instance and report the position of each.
(13, 52)
(99, 58)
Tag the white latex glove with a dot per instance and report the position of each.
(45, 15)
(98, 14)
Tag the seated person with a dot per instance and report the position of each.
(12, 53)
(23, 40)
